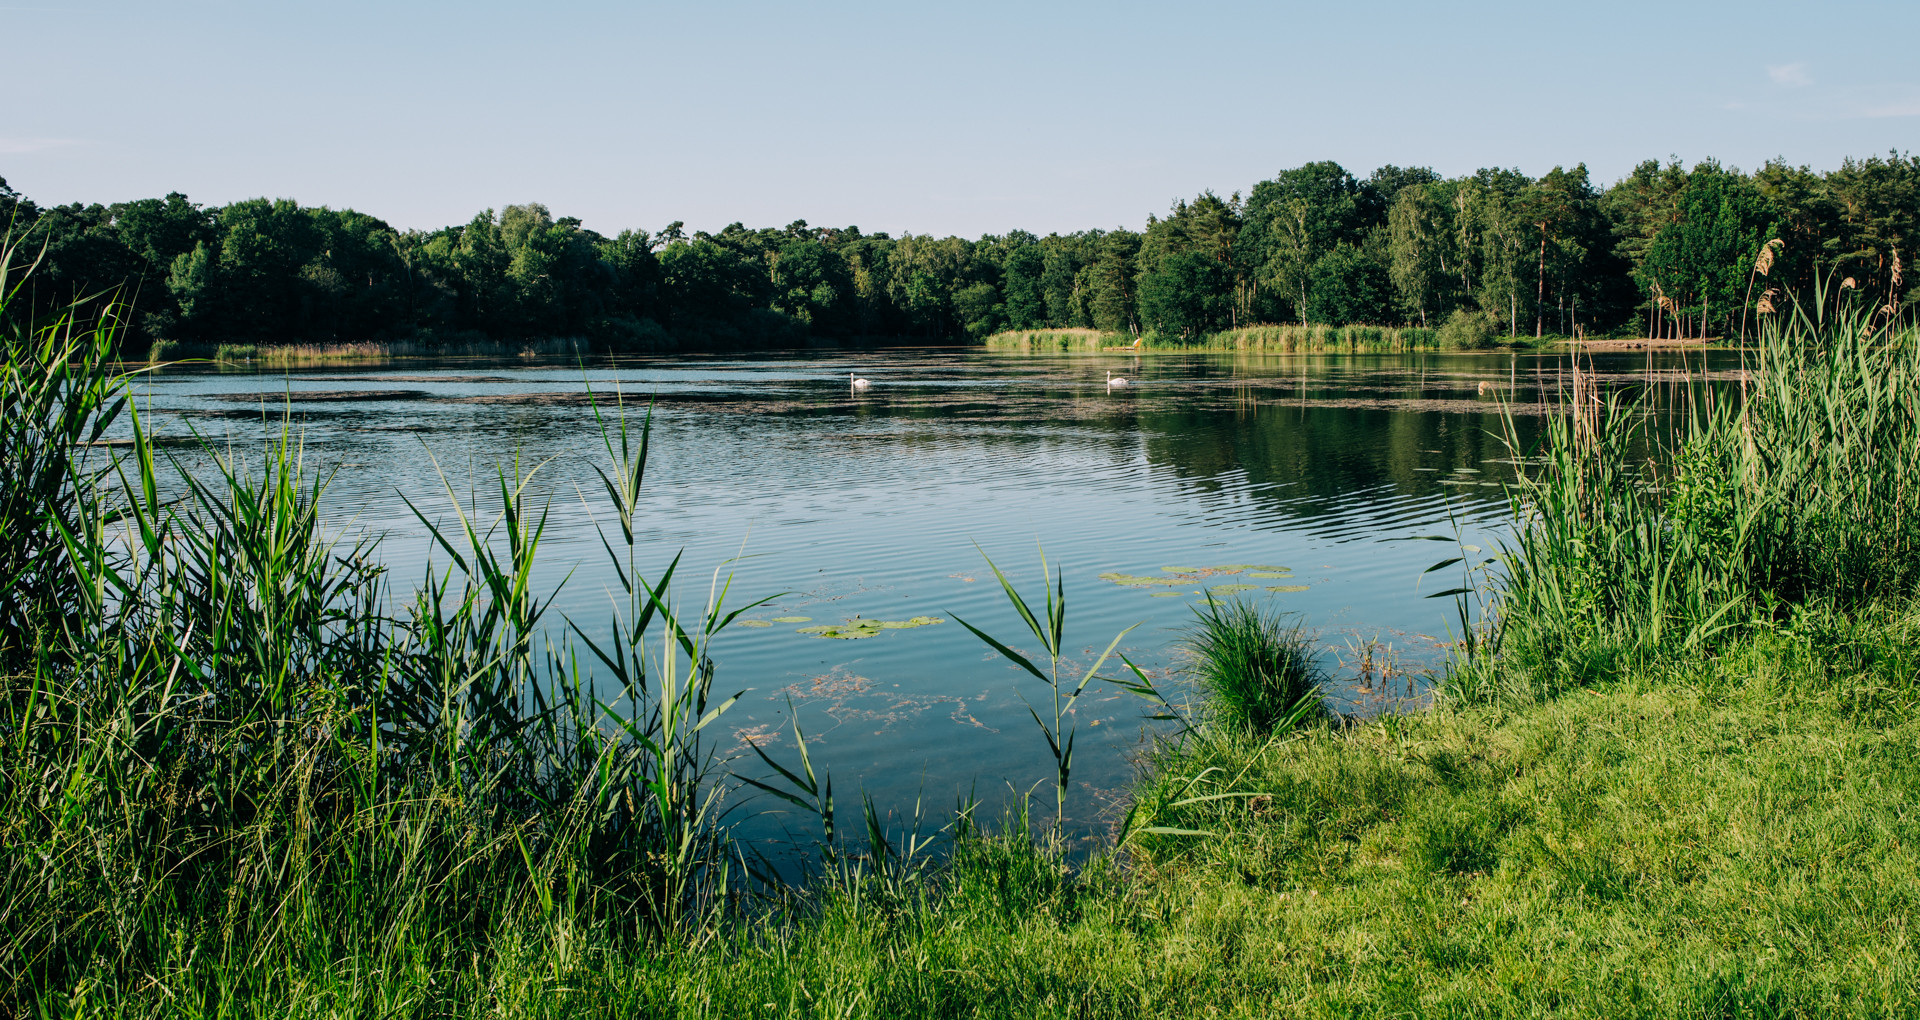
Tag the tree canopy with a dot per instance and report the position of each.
(1667, 248)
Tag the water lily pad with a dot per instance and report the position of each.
(1141, 580)
(1270, 573)
(1172, 594)
(857, 628)
(1287, 587)
(755, 623)
(793, 619)
(1181, 570)
(1228, 589)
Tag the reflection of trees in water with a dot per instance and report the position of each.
(1324, 451)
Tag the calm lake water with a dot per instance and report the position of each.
(1326, 469)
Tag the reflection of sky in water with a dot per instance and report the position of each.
(869, 506)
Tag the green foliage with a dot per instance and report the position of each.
(1350, 284)
(1800, 487)
(218, 736)
(1667, 250)
(1258, 669)
(234, 783)
(1467, 330)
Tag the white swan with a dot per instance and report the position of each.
(1115, 380)
(858, 383)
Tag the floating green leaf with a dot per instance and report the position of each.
(1142, 581)
(857, 628)
(793, 619)
(1228, 589)
(1181, 576)
(754, 623)
(1287, 587)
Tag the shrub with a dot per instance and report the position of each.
(1467, 330)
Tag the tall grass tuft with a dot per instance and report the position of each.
(1256, 665)
(1643, 534)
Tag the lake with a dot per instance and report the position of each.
(1311, 480)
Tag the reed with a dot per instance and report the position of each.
(1056, 339)
(222, 749)
(1637, 539)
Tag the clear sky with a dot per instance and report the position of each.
(963, 118)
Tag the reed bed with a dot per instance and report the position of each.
(372, 351)
(1057, 339)
(1286, 338)
(1325, 338)
(225, 751)
(1641, 536)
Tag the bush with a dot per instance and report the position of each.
(1467, 330)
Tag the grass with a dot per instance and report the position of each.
(1259, 671)
(1672, 773)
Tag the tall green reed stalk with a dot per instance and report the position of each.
(1649, 528)
(1049, 628)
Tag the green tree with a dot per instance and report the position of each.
(1700, 263)
(1351, 284)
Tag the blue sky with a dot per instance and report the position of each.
(947, 118)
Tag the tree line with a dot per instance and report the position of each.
(1667, 250)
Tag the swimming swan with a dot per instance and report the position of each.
(858, 383)
(1115, 380)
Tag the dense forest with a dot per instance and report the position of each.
(1667, 250)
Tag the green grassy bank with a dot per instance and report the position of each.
(1670, 771)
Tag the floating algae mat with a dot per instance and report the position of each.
(860, 628)
(1180, 577)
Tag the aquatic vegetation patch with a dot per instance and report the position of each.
(1182, 576)
(318, 396)
(1228, 589)
(858, 627)
(754, 623)
(793, 619)
(1286, 587)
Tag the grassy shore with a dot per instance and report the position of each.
(1670, 771)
